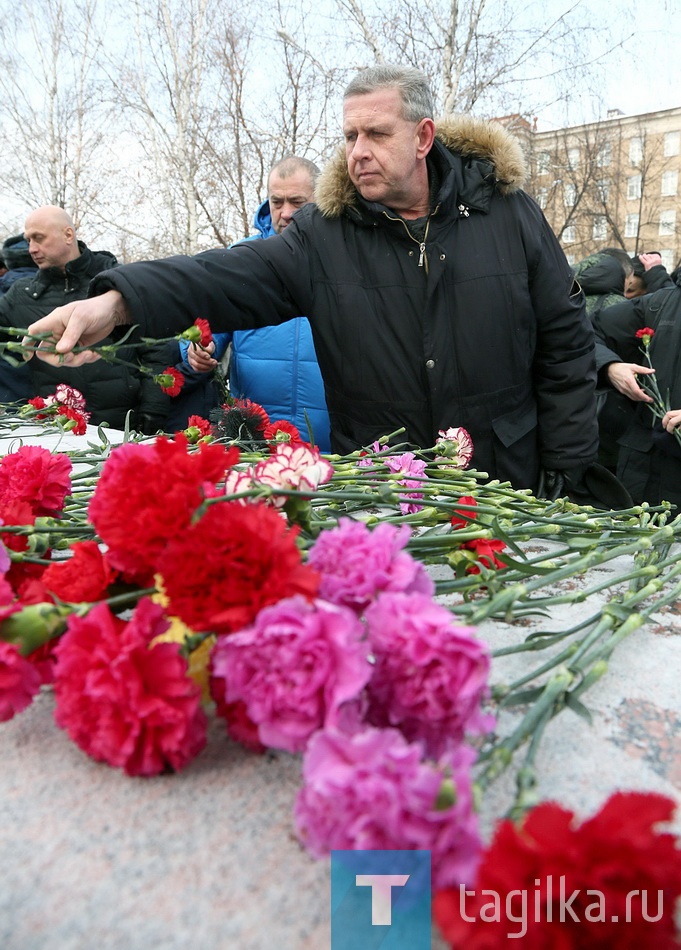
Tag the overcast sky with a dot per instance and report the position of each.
(643, 76)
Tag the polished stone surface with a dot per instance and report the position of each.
(208, 859)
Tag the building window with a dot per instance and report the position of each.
(635, 150)
(568, 235)
(569, 194)
(603, 187)
(667, 223)
(573, 157)
(599, 231)
(634, 187)
(667, 256)
(604, 156)
(571, 259)
(670, 181)
(631, 226)
(543, 163)
(671, 144)
(542, 197)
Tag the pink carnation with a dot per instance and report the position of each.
(35, 475)
(430, 675)
(294, 668)
(373, 791)
(19, 681)
(293, 466)
(408, 464)
(122, 701)
(357, 563)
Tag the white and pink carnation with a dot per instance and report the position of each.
(237, 481)
(356, 563)
(373, 791)
(66, 396)
(430, 675)
(455, 446)
(293, 467)
(294, 669)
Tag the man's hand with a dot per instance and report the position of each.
(650, 260)
(200, 359)
(623, 377)
(671, 419)
(82, 323)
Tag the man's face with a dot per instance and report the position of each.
(634, 287)
(286, 195)
(385, 152)
(49, 244)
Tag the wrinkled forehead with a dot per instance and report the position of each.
(383, 106)
(297, 185)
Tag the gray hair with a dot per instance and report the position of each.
(412, 85)
(291, 164)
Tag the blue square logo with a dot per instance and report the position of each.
(380, 899)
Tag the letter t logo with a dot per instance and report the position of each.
(381, 894)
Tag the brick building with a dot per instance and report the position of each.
(612, 183)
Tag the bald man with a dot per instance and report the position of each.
(65, 268)
(51, 236)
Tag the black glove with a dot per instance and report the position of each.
(551, 484)
(591, 484)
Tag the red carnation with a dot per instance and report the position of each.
(462, 518)
(240, 726)
(643, 332)
(282, 431)
(170, 380)
(82, 578)
(230, 564)
(19, 681)
(147, 494)
(483, 548)
(35, 475)
(19, 513)
(122, 701)
(204, 327)
(73, 419)
(610, 882)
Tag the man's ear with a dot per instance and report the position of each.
(425, 136)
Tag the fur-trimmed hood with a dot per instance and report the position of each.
(462, 135)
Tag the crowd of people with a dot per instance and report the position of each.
(435, 294)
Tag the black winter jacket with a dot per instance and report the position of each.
(650, 457)
(484, 329)
(110, 389)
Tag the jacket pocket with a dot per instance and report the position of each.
(512, 426)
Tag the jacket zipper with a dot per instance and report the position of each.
(423, 257)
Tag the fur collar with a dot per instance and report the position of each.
(463, 135)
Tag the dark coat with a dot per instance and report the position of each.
(110, 389)
(484, 329)
(650, 458)
(601, 277)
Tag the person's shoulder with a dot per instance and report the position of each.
(487, 140)
(98, 261)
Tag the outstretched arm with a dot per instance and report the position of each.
(82, 323)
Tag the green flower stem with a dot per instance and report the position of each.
(497, 759)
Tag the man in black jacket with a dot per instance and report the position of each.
(65, 268)
(437, 293)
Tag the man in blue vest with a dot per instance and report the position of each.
(275, 367)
